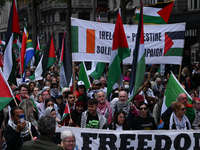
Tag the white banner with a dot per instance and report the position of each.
(96, 139)
(92, 41)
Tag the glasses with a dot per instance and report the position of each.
(121, 117)
(71, 97)
(183, 109)
(70, 141)
(143, 108)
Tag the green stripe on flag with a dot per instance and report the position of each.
(51, 61)
(63, 117)
(174, 52)
(150, 19)
(83, 76)
(74, 39)
(4, 101)
(96, 74)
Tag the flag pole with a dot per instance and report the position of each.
(30, 133)
(149, 75)
(74, 85)
(179, 73)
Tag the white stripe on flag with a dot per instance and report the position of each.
(7, 67)
(39, 70)
(150, 11)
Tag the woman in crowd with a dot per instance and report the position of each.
(31, 85)
(178, 119)
(34, 93)
(119, 121)
(51, 112)
(79, 108)
(29, 111)
(39, 97)
(49, 103)
(127, 75)
(68, 140)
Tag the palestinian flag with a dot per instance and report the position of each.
(47, 60)
(6, 93)
(156, 13)
(66, 112)
(2, 43)
(37, 51)
(120, 51)
(138, 65)
(13, 29)
(17, 44)
(83, 76)
(35, 60)
(171, 93)
(65, 63)
(97, 68)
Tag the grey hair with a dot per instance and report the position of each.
(65, 134)
(27, 106)
(179, 96)
(158, 79)
(95, 95)
(123, 91)
(47, 125)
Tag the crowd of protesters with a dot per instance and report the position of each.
(43, 104)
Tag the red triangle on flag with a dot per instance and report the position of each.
(52, 49)
(5, 92)
(165, 12)
(168, 44)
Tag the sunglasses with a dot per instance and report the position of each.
(183, 109)
(143, 108)
(71, 97)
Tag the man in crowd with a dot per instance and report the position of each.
(91, 118)
(70, 99)
(103, 85)
(143, 121)
(104, 106)
(196, 123)
(23, 94)
(46, 127)
(16, 132)
(127, 107)
(182, 97)
(157, 86)
(95, 88)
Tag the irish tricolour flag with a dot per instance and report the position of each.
(120, 51)
(156, 13)
(171, 93)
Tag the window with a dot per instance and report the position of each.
(193, 4)
(62, 16)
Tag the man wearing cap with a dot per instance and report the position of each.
(81, 93)
(127, 107)
(96, 85)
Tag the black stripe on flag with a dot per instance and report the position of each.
(46, 57)
(176, 35)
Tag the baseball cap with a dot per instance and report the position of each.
(80, 83)
(96, 82)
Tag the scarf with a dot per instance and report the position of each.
(103, 107)
(124, 106)
(24, 132)
(179, 125)
(54, 92)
